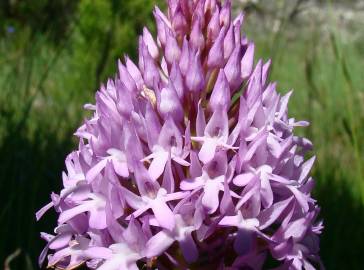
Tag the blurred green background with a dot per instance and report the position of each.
(55, 54)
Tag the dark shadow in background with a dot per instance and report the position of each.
(29, 171)
(30, 168)
(53, 17)
(343, 236)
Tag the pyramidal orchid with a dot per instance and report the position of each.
(189, 160)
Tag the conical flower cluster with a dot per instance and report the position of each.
(189, 160)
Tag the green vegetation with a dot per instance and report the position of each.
(48, 72)
(326, 73)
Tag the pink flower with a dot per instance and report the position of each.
(189, 159)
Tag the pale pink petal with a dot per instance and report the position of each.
(43, 210)
(176, 196)
(181, 161)
(98, 253)
(301, 198)
(306, 168)
(163, 214)
(95, 170)
(230, 221)
(121, 168)
(243, 179)
(132, 199)
(168, 178)
(226, 205)
(207, 151)
(266, 191)
(158, 244)
(247, 61)
(140, 211)
(253, 147)
(268, 216)
(210, 198)
(98, 218)
(284, 104)
(250, 190)
(72, 212)
(156, 168)
(195, 168)
(60, 240)
(190, 184)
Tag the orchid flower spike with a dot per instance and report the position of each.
(189, 159)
